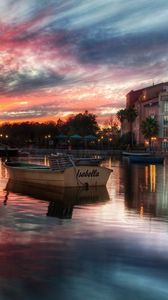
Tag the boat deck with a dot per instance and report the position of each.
(26, 165)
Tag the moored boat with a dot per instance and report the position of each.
(62, 172)
(5, 150)
(133, 153)
(147, 159)
(87, 161)
(22, 153)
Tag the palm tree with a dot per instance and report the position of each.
(150, 128)
(131, 115)
(121, 115)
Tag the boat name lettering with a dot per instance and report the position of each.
(93, 173)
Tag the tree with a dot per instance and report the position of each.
(131, 115)
(60, 125)
(34, 133)
(127, 138)
(111, 131)
(82, 124)
(121, 115)
(150, 128)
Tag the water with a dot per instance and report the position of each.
(99, 244)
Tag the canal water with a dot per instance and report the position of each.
(97, 244)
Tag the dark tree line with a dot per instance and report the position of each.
(26, 133)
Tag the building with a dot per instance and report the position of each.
(150, 101)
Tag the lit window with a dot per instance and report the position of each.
(153, 116)
(165, 131)
(165, 120)
(165, 106)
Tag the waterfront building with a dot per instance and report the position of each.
(150, 101)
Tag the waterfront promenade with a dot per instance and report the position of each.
(75, 152)
(87, 152)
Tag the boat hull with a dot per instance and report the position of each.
(146, 160)
(8, 152)
(139, 154)
(70, 177)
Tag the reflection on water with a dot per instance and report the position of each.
(146, 189)
(61, 200)
(105, 244)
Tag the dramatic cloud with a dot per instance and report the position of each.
(61, 57)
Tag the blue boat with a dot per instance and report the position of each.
(146, 159)
(137, 153)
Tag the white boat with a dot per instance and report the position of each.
(61, 172)
(150, 159)
(133, 153)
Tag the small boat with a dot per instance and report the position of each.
(133, 153)
(5, 150)
(22, 153)
(146, 159)
(62, 171)
(87, 161)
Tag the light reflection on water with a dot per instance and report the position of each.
(98, 244)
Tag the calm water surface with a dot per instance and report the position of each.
(99, 244)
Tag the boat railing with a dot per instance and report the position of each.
(60, 162)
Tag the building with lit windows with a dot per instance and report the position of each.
(150, 101)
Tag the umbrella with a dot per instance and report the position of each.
(90, 137)
(75, 137)
(62, 136)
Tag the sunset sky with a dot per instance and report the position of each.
(59, 57)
